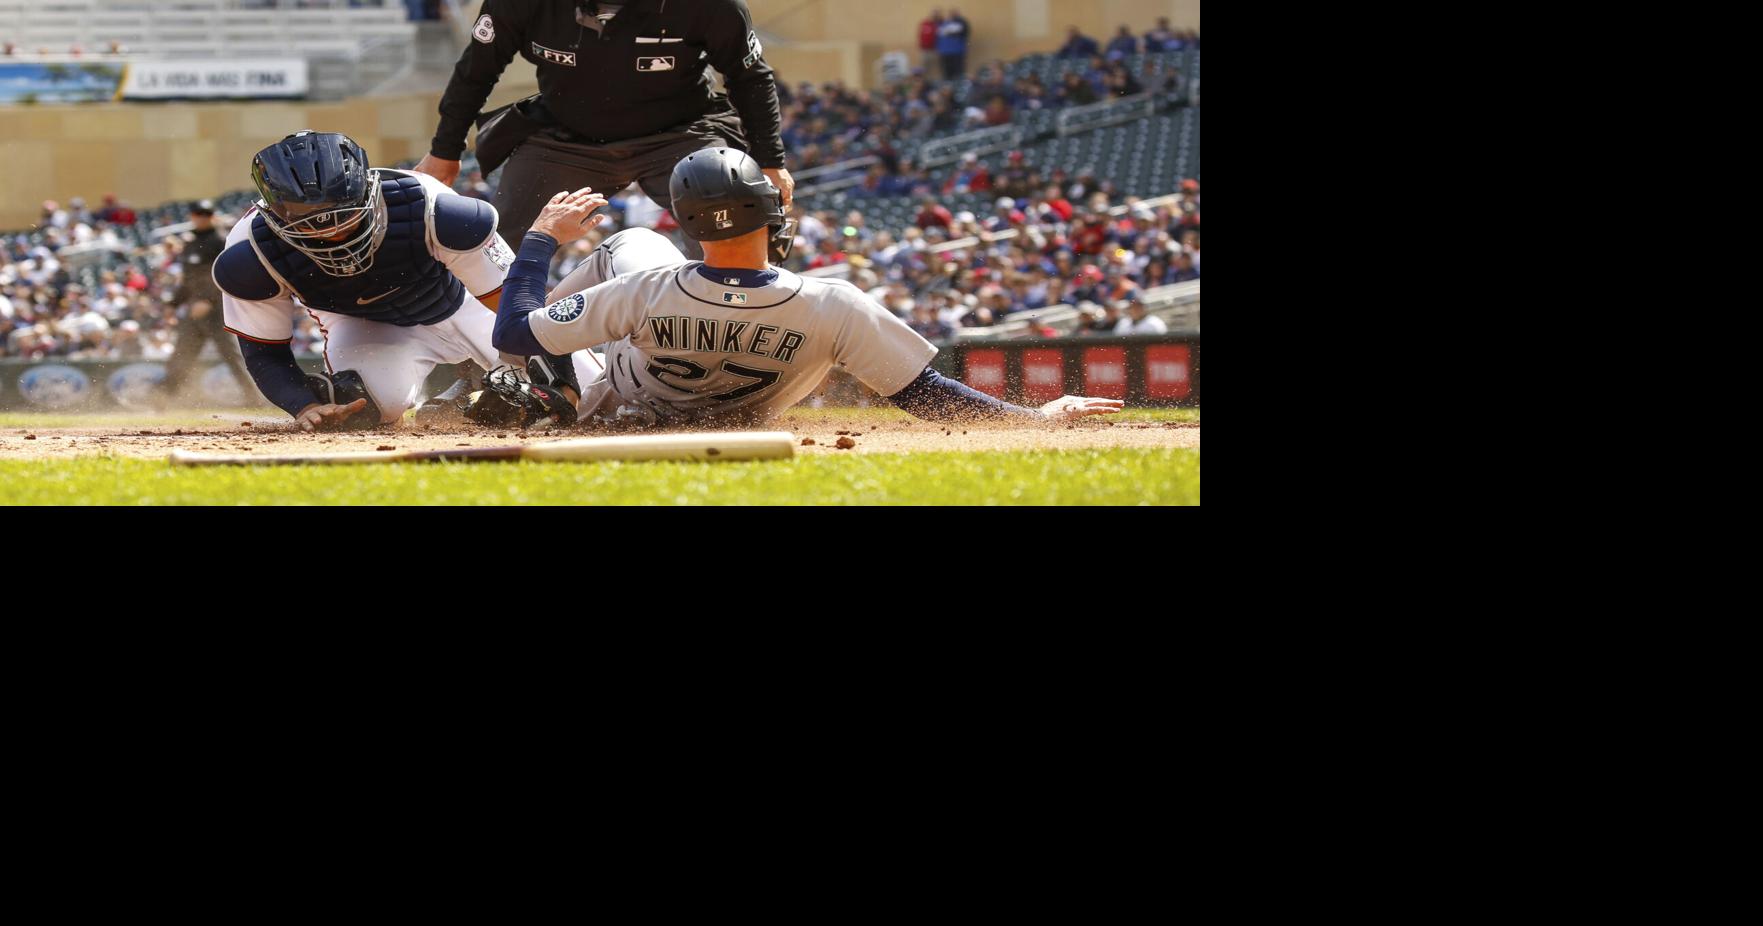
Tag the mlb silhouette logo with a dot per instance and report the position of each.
(655, 64)
(735, 298)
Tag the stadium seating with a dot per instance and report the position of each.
(353, 48)
(1144, 158)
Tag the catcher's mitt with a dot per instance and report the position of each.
(507, 401)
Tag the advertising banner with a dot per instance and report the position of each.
(25, 82)
(215, 78)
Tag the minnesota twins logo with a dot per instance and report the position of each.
(499, 253)
(567, 310)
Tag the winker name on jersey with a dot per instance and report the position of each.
(686, 340)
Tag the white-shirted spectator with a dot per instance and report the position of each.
(1138, 319)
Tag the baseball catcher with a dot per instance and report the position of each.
(400, 273)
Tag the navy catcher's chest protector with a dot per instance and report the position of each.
(406, 286)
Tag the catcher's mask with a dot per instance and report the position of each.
(319, 196)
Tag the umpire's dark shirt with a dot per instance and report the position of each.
(200, 250)
(641, 75)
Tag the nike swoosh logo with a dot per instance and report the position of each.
(378, 297)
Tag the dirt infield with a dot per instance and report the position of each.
(864, 434)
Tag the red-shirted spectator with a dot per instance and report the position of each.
(1058, 203)
(997, 111)
(1090, 236)
(827, 255)
(973, 177)
(931, 213)
(927, 39)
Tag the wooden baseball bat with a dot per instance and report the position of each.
(707, 446)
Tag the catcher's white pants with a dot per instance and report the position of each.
(630, 250)
(395, 362)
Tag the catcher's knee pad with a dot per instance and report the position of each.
(506, 400)
(342, 388)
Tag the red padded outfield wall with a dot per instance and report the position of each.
(1141, 370)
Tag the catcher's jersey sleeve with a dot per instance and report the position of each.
(602, 313)
(462, 236)
(871, 344)
(254, 304)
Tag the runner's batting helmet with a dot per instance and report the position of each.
(721, 193)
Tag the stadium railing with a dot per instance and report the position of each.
(1139, 110)
(839, 176)
(1108, 112)
(940, 151)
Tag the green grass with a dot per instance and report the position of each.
(1068, 477)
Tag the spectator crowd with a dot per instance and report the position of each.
(126, 313)
(834, 123)
(1071, 241)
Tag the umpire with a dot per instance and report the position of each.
(200, 318)
(623, 95)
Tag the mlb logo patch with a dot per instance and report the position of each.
(655, 64)
(567, 310)
(735, 298)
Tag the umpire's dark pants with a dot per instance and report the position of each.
(547, 164)
(192, 333)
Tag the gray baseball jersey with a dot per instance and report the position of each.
(685, 346)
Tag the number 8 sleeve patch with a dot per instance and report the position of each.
(485, 30)
(567, 310)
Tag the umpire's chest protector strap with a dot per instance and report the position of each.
(406, 286)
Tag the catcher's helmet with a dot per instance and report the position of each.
(720, 193)
(320, 197)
